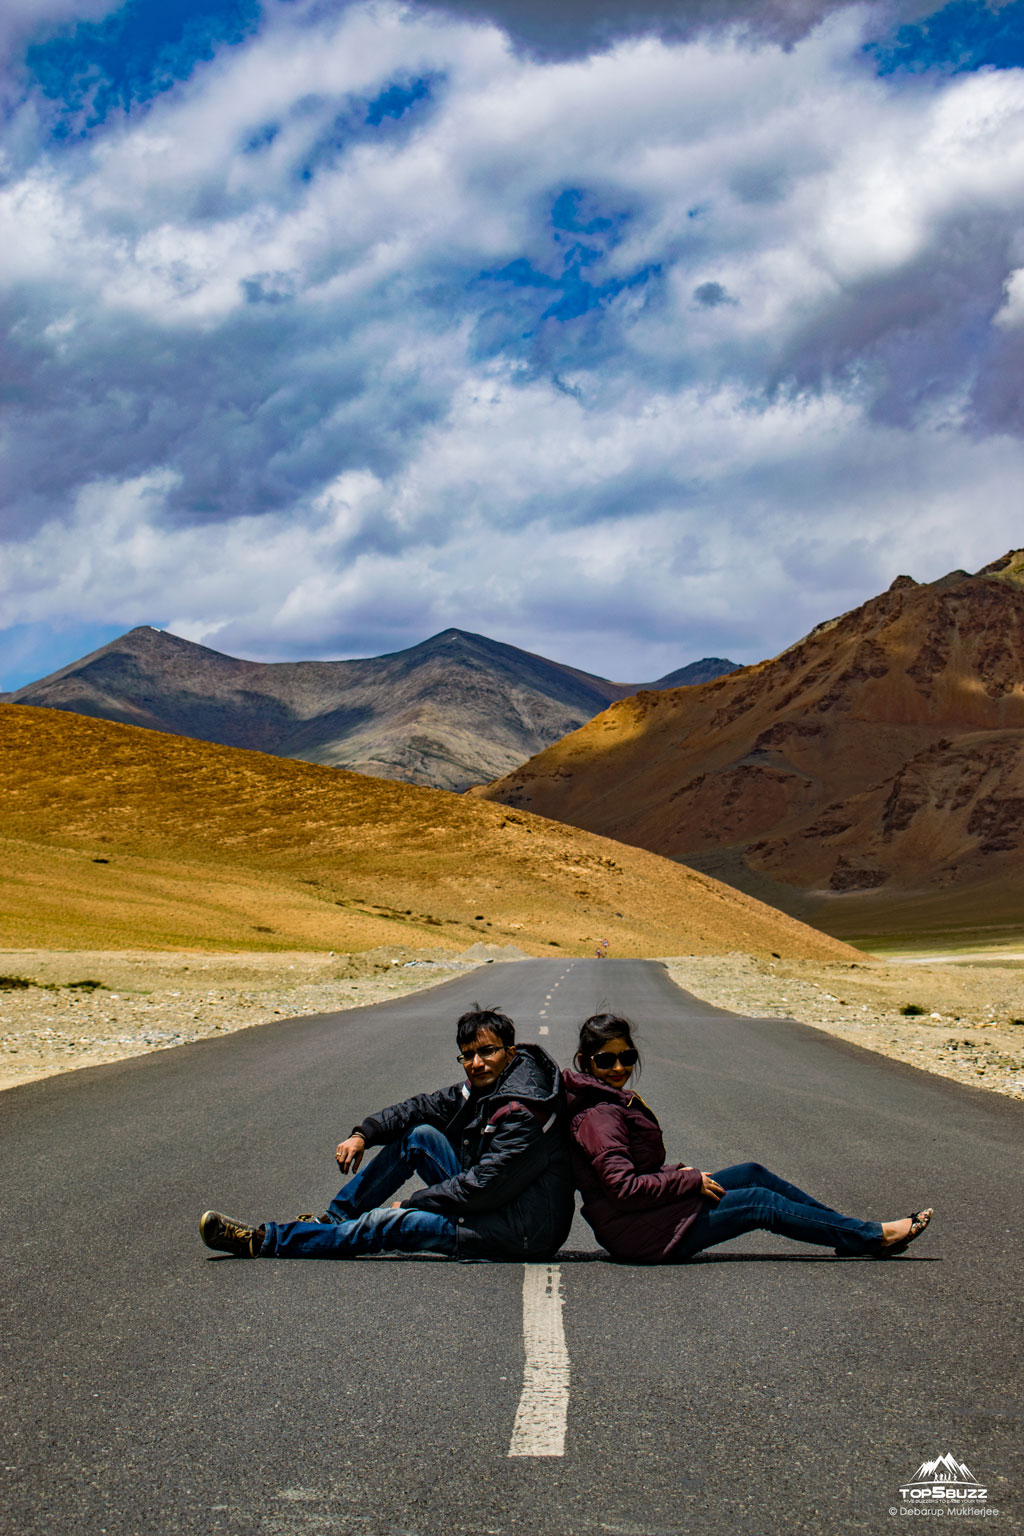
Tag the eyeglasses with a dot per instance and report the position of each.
(606, 1059)
(485, 1052)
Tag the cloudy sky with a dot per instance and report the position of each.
(624, 334)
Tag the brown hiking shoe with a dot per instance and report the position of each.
(229, 1236)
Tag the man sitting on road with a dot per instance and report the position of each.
(492, 1152)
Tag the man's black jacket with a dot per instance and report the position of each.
(514, 1197)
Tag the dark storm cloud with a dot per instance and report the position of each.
(903, 338)
(569, 28)
(710, 295)
(251, 417)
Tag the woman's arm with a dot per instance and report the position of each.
(602, 1135)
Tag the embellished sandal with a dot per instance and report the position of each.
(918, 1221)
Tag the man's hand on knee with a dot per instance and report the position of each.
(350, 1153)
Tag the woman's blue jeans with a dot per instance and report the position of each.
(758, 1199)
(358, 1221)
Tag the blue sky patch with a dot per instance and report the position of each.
(582, 231)
(396, 99)
(963, 36)
(576, 210)
(359, 116)
(29, 652)
(125, 60)
(262, 138)
(569, 294)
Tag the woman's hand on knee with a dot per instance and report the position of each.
(711, 1188)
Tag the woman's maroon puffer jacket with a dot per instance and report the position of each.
(638, 1208)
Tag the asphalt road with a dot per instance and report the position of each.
(152, 1387)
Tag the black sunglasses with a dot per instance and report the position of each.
(485, 1052)
(606, 1059)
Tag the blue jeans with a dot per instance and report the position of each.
(358, 1220)
(757, 1199)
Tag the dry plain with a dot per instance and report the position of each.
(152, 1000)
(207, 889)
(149, 1000)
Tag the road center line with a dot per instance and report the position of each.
(539, 1429)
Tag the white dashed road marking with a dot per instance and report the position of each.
(543, 1030)
(539, 1429)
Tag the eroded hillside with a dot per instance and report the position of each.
(870, 778)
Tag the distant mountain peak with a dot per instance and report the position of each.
(456, 709)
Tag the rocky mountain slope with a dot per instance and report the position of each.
(456, 710)
(113, 837)
(869, 779)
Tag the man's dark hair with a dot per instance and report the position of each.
(595, 1034)
(471, 1023)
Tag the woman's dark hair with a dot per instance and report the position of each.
(595, 1034)
(471, 1023)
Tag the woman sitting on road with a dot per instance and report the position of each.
(645, 1211)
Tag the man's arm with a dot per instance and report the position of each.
(387, 1125)
(516, 1154)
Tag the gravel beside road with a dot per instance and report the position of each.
(149, 1001)
(970, 1027)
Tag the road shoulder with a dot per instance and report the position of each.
(965, 1029)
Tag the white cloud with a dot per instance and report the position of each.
(297, 408)
(1012, 311)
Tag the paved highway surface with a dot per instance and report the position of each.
(152, 1387)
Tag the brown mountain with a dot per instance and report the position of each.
(869, 779)
(453, 711)
(113, 837)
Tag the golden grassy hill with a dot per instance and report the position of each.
(115, 837)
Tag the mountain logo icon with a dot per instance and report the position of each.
(944, 1479)
(944, 1469)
